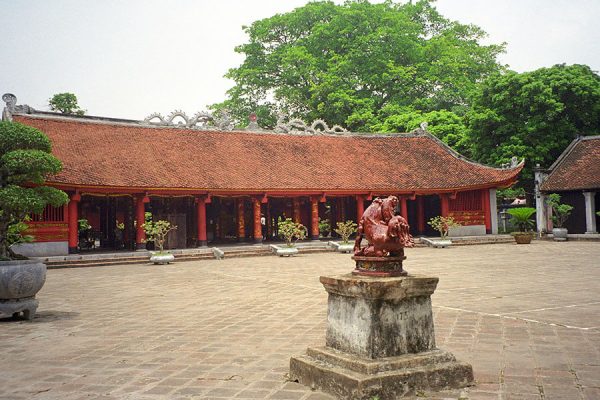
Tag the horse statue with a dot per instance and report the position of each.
(388, 234)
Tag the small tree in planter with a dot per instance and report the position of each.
(560, 213)
(345, 230)
(25, 163)
(443, 225)
(324, 228)
(157, 231)
(290, 231)
(521, 217)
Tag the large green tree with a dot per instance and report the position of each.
(346, 63)
(25, 163)
(534, 115)
(65, 103)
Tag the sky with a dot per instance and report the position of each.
(131, 58)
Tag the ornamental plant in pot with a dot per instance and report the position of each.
(442, 225)
(560, 213)
(157, 231)
(25, 163)
(289, 231)
(345, 229)
(521, 217)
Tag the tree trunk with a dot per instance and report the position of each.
(4, 253)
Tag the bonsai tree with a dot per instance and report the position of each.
(157, 231)
(324, 227)
(345, 229)
(560, 212)
(290, 231)
(443, 225)
(25, 163)
(65, 103)
(521, 217)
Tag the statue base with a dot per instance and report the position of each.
(379, 266)
(348, 376)
(380, 341)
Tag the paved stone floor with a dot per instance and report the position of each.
(526, 317)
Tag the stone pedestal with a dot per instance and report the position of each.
(380, 341)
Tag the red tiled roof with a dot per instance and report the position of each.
(129, 155)
(577, 168)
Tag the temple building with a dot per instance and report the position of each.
(218, 184)
(575, 175)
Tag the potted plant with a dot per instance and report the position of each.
(289, 231)
(560, 213)
(345, 230)
(324, 228)
(521, 217)
(25, 162)
(442, 225)
(156, 232)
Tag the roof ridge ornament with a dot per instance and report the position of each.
(12, 107)
(202, 120)
(296, 126)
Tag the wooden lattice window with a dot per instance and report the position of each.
(467, 201)
(50, 214)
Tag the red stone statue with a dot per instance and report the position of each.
(387, 234)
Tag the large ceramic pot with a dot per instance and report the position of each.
(523, 237)
(20, 281)
(560, 234)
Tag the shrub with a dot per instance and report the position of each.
(157, 232)
(560, 212)
(324, 227)
(345, 229)
(290, 230)
(521, 217)
(443, 225)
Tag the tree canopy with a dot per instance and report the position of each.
(65, 103)
(351, 64)
(534, 115)
(25, 163)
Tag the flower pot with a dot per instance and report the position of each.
(560, 234)
(523, 237)
(342, 247)
(285, 251)
(162, 258)
(20, 281)
(441, 243)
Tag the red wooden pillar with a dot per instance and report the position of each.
(201, 221)
(140, 234)
(360, 208)
(296, 209)
(420, 215)
(257, 225)
(240, 220)
(485, 202)
(403, 208)
(314, 218)
(73, 223)
(444, 206)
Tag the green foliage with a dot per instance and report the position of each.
(324, 227)
(346, 63)
(83, 225)
(442, 225)
(65, 103)
(290, 230)
(346, 229)
(521, 217)
(15, 233)
(510, 193)
(157, 231)
(534, 115)
(560, 212)
(25, 159)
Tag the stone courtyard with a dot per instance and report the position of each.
(526, 317)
